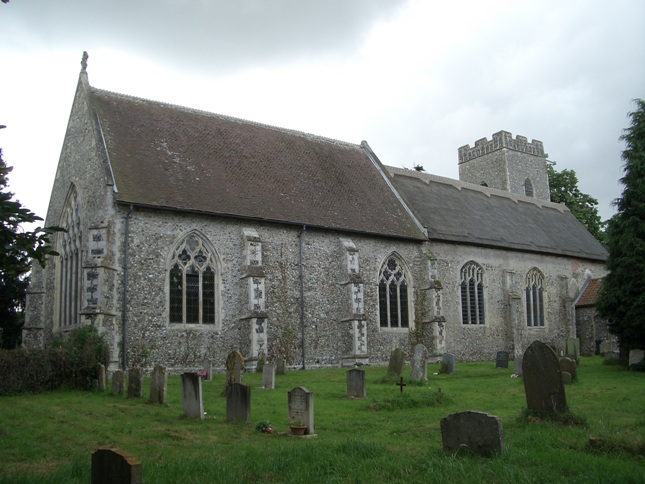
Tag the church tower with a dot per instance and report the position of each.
(506, 163)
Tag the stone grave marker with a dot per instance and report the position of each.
(611, 355)
(543, 380)
(517, 366)
(234, 368)
(238, 402)
(111, 466)
(501, 361)
(419, 363)
(479, 432)
(262, 359)
(356, 383)
(395, 366)
(301, 408)
(135, 383)
(158, 385)
(118, 383)
(207, 368)
(572, 349)
(566, 378)
(449, 362)
(636, 356)
(102, 377)
(268, 376)
(569, 365)
(193, 404)
(280, 366)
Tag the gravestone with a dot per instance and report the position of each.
(238, 402)
(301, 408)
(611, 355)
(543, 380)
(572, 349)
(449, 363)
(193, 405)
(268, 376)
(356, 383)
(517, 366)
(102, 377)
(111, 466)
(118, 383)
(636, 356)
(234, 368)
(207, 368)
(158, 385)
(397, 360)
(566, 378)
(135, 383)
(568, 365)
(479, 432)
(501, 361)
(262, 359)
(419, 363)
(280, 366)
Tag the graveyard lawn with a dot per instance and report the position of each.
(384, 437)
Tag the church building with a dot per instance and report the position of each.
(191, 234)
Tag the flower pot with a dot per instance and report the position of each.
(298, 429)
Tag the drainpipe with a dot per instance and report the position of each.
(302, 297)
(124, 312)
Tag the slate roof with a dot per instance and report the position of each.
(589, 294)
(460, 212)
(177, 158)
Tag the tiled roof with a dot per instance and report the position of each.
(589, 294)
(460, 212)
(182, 159)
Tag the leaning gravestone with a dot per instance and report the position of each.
(301, 408)
(449, 363)
(568, 365)
(118, 383)
(135, 383)
(543, 380)
(397, 360)
(479, 432)
(110, 466)
(238, 402)
(234, 368)
(636, 356)
(356, 383)
(158, 385)
(268, 376)
(419, 364)
(517, 366)
(192, 395)
(572, 349)
(501, 361)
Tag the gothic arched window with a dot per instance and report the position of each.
(535, 298)
(528, 188)
(393, 295)
(70, 263)
(193, 283)
(472, 293)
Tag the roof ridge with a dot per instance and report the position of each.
(188, 109)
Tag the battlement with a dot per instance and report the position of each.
(501, 139)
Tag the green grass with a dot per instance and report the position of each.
(386, 437)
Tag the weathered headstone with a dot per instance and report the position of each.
(102, 377)
(501, 361)
(572, 349)
(118, 383)
(268, 376)
(356, 383)
(158, 385)
(543, 380)
(636, 356)
(419, 363)
(479, 432)
(449, 363)
(234, 368)
(262, 359)
(192, 395)
(135, 383)
(280, 366)
(517, 366)
(238, 402)
(207, 369)
(566, 378)
(110, 466)
(301, 408)
(397, 360)
(569, 365)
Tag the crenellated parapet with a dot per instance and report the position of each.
(501, 139)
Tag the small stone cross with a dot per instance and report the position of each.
(401, 384)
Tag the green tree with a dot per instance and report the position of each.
(564, 189)
(622, 298)
(19, 246)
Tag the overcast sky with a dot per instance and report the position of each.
(415, 79)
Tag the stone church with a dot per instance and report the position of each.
(192, 234)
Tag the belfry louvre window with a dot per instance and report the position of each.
(193, 283)
(472, 294)
(70, 263)
(535, 298)
(393, 296)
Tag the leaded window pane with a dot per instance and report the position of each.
(208, 296)
(393, 296)
(472, 294)
(176, 295)
(403, 301)
(382, 305)
(535, 298)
